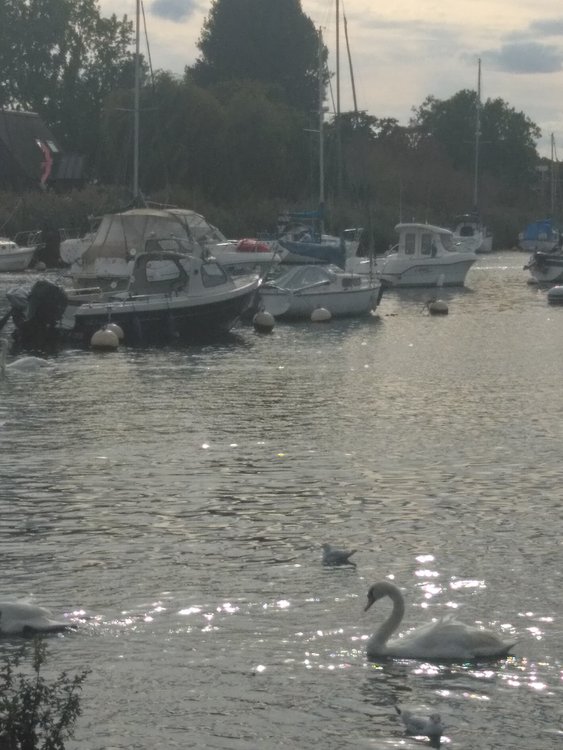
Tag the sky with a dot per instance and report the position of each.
(406, 50)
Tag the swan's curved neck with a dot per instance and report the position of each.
(393, 621)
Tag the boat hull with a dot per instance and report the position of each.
(546, 268)
(16, 260)
(286, 305)
(402, 273)
(154, 321)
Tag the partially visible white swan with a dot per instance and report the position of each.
(445, 639)
(20, 618)
(22, 365)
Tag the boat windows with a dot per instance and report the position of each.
(447, 242)
(162, 270)
(410, 243)
(426, 245)
(212, 274)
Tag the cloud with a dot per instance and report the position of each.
(547, 27)
(525, 58)
(174, 10)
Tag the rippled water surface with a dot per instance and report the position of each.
(174, 502)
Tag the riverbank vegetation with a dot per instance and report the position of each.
(234, 136)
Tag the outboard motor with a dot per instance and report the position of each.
(36, 312)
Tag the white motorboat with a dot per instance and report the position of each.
(108, 258)
(14, 257)
(171, 296)
(471, 235)
(305, 288)
(425, 255)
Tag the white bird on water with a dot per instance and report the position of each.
(444, 639)
(333, 556)
(417, 724)
(22, 365)
(21, 618)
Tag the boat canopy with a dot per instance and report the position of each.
(540, 230)
(120, 233)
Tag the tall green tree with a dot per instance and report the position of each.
(61, 58)
(270, 41)
(507, 139)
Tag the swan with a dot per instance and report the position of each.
(333, 556)
(445, 639)
(20, 618)
(22, 365)
(430, 726)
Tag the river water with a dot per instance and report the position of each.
(173, 504)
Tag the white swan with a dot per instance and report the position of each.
(22, 365)
(445, 639)
(333, 556)
(430, 726)
(20, 618)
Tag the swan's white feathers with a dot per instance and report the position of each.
(446, 638)
(20, 618)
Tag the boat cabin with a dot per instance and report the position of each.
(423, 240)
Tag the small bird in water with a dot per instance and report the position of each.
(333, 556)
(429, 726)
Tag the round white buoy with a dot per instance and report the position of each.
(555, 295)
(438, 307)
(320, 315)
(118, 330)
(40, 266)
(263, 321)
(104, 339)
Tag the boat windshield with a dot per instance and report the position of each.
(212, 274)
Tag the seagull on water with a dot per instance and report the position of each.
(333, 556)
(418, 724)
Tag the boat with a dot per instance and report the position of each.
(301, 289)
(107, 259)
(15, 257)
(426, 255)
(470, 232)
(172, 296)
(301, 235)
(544, 238)
(543, 235)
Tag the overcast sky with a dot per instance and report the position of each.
(406, 50)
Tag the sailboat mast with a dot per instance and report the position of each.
(321, 136)
(477, 137)
(338, 132)
(350, 64)
(136, 103)
(552, 176)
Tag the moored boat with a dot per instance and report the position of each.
(425, 255)
(14, 257)
(305, 288)
(171, 296)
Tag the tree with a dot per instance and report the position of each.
(270, 41)
(508, 138)
(60, 58)
(36, 714)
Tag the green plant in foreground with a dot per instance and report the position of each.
(36, 714)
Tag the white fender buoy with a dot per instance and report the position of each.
(40, 266)
(118, 330)
(437, 307)
(320, 315)
(555, 295)
(104, 339)
(263, 321)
